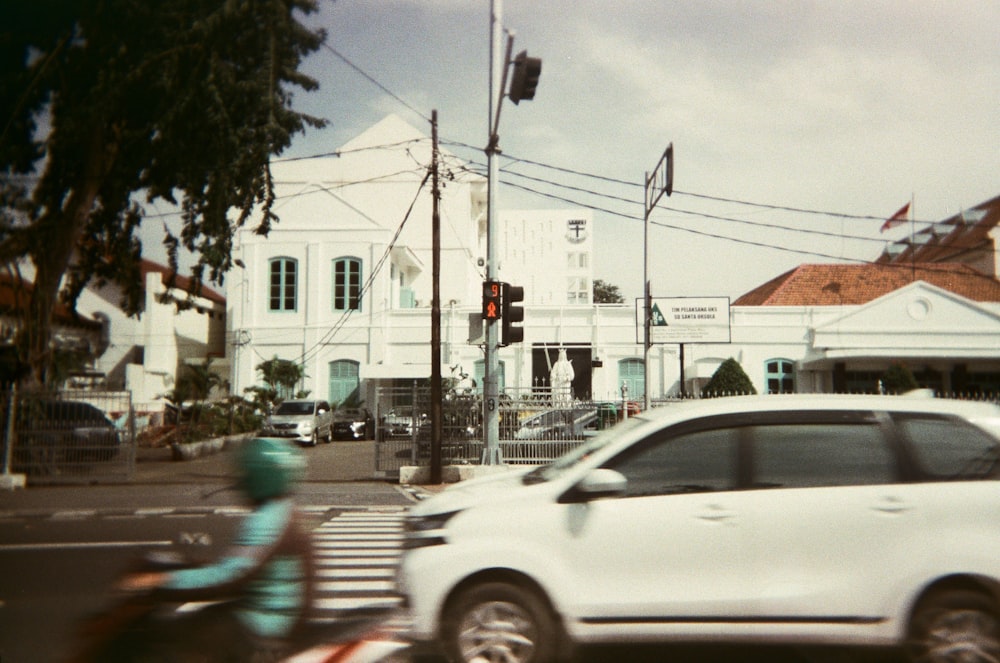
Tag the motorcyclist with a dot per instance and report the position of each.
(268, 572)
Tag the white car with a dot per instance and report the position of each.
(304, 420)
(859, 520)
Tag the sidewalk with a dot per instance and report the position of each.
(341, 473)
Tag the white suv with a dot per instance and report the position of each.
(808, 519)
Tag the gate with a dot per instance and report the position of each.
(69, 436)
(403, 428)
(536, 426)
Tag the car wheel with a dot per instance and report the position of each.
(329, 434)
(500, 622)
(314, 440)
(955, 626)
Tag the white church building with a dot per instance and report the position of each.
(343, 283)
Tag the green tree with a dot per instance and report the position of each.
(729, 379)
(280, 376)
(605, 293)
(898, 379)
(109, 104)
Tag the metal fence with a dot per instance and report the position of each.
(536, 426)
(68, 436)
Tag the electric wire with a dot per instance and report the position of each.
(311, 352)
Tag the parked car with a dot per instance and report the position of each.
(868, 521)
(353, 423)
(396, 424)
(305, 421)
(51, 432)
(559, 424)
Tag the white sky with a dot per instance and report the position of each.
(852, 106)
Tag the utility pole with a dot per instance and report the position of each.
(436, 409)
(491, 382)
(523, 84)
(660, 182)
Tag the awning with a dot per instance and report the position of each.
(830, 357)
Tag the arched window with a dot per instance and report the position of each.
(779, 375)
(283, 284)
(347, 284)
(344, 380)
(632, 372)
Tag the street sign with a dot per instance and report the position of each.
(684, 320)
(662, 180)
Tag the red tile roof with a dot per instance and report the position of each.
(832, 285)
(12, 299)
(952, 240)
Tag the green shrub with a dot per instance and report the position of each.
(728, 380)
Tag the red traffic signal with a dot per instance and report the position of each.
(492, 300)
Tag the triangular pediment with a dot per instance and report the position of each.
(917, 315)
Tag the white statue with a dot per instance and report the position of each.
(561, 378)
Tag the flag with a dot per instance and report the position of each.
(896, 219)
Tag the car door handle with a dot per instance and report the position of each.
(716, 513)
(892, 505)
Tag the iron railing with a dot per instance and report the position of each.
(69, 436)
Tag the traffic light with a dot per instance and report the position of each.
(509, 333)
(492, 297)
(525, 77)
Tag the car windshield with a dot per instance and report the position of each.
(292, 407)
(353, 414)
(560, 465)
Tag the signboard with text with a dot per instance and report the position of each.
(684, 320)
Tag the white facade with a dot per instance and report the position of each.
(343, 285)
(146, 355)
(549, 253)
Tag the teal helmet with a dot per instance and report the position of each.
(269, 467)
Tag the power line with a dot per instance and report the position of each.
(372, 80)
(345, 316)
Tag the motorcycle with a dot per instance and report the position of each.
(122, 629)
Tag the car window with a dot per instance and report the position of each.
(805, 455)
(949, 448)
(699, 461)
(289, 407)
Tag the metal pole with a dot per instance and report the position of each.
(436, 409)
(491, 388)
(646, 307)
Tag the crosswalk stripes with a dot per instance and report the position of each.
(356, 554)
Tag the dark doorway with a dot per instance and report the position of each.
(543, 355)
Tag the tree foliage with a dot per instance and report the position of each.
(728, 380)
(108, 105)
(606, 293)
(280, 377)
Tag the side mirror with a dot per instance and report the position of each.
(599, 482)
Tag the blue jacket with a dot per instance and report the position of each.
(269, 570)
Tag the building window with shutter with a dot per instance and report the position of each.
(283, 284)
(347, 284)
(780, 376)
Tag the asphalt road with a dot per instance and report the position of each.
(62, 546)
